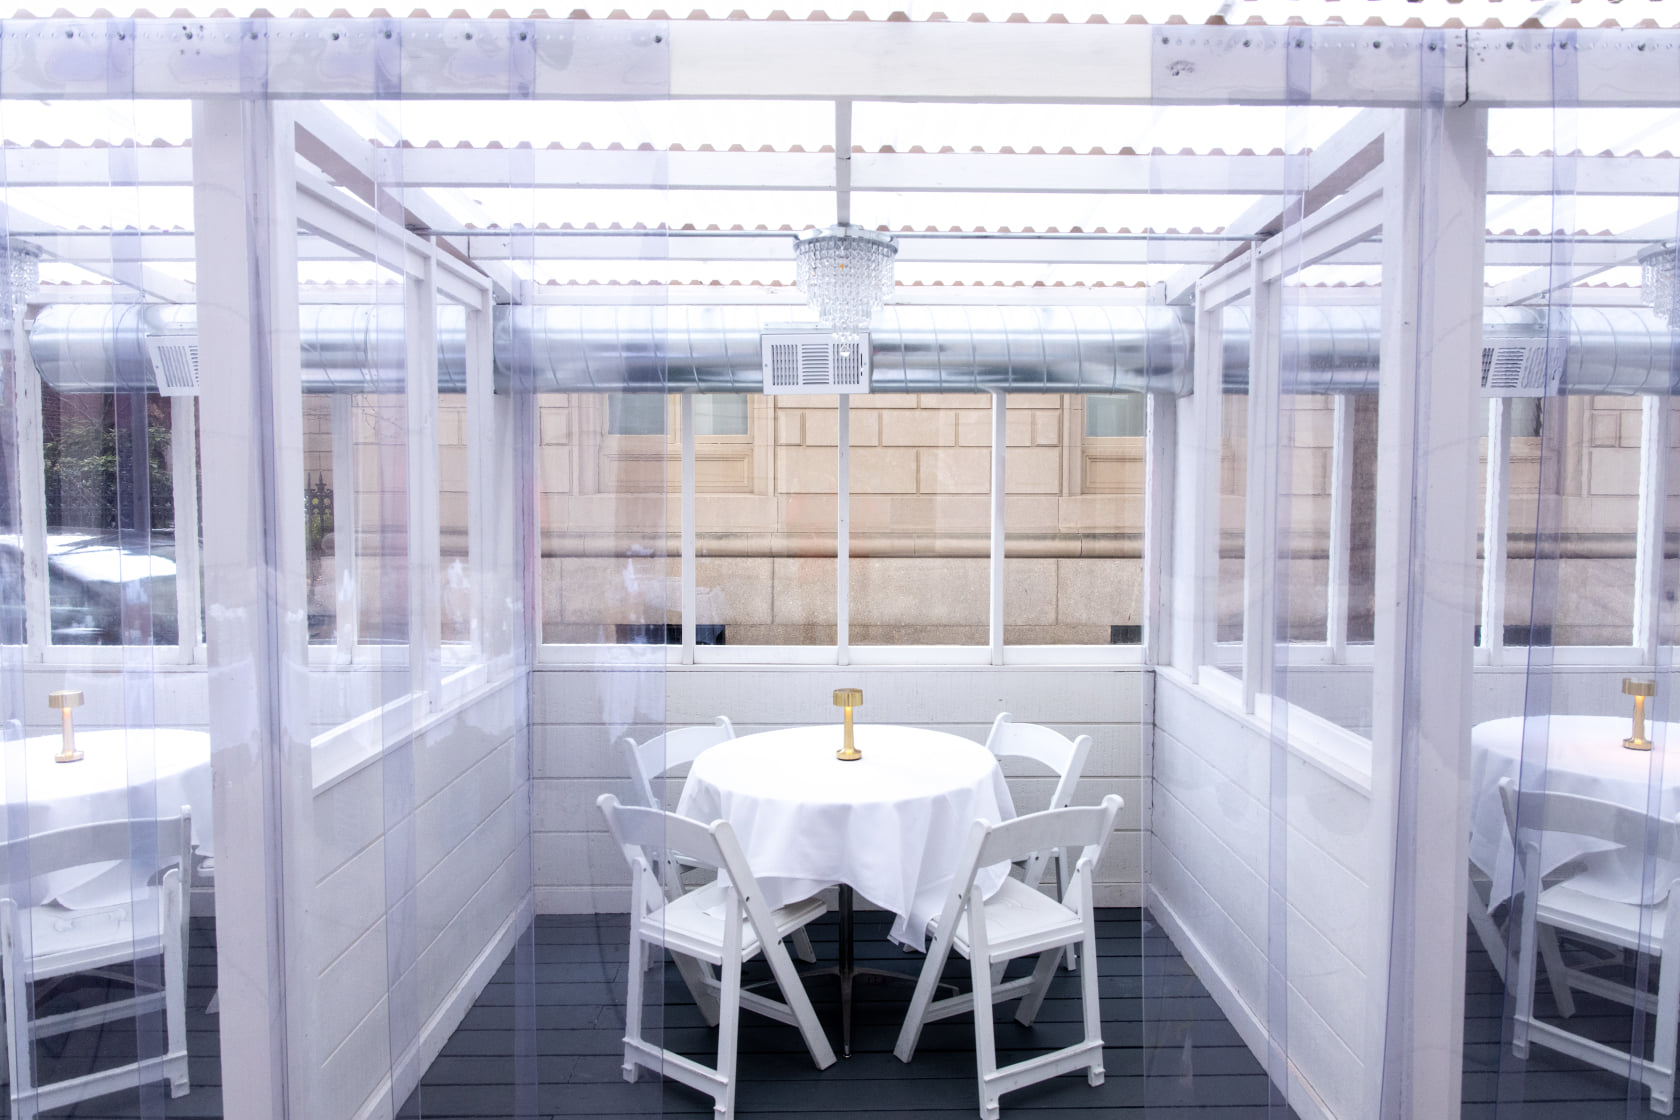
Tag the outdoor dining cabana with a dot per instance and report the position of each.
(433, 447)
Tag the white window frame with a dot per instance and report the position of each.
(995, 652)
(32, 510)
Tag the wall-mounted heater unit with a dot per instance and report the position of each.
(174, 363)
(811, 361)
(1522, 367)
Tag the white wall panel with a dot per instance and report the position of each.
(574, 759)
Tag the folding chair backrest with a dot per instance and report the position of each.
(663, 753)
(1552, 811)
(1043, 745)
(151, 846)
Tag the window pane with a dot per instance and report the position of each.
(1233, 498)
(920, 519)
(455, 564)
(320, 550)
(1119, 414)
(1073, 520)
(765, 521)
(720, 414)
(380, 432)
(609, 559)
(636, 414)
(110, 517)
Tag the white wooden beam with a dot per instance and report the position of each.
(1159, 481)
(184, 477)
(1495, 520)
(117, 256)
(843, 535)
(1573, 260)
(1146, 172)
(420, 408)
(1429, 413)
(1195, 588)
(690, 595)
(1341, 528)
(1260, 518)
(254, 566)
(32, 494)
(1654, 452)
(995, 603)
(1344, 159)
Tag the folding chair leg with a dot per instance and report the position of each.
(1063, 873)
(729, 1030)
(802, 946)
(985, 1041)
(1556, 974)
(697, 977)
(1526, 961)
(926, 984)
(1092, 1008)
(633, 999)
(1043, 973)
(175, 990)
(799, 1002)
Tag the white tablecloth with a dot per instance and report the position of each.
(1581, 755)
(890, 825)
(123, 774)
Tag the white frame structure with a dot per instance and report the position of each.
(1413, 166)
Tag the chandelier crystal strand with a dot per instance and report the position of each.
(22, 277)
(846, 274)
(1656, 282)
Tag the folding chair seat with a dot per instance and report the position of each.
(651, 761)
(41, 942)
(1544, 911)
(1018, 921)
(1064, 756)
(723, 924)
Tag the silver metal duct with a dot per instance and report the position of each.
(95, 347)
(916, 349)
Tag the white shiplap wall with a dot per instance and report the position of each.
(422, 884)
(1211, 881)
(580, 712)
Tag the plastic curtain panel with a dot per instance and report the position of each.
(1572, 803)
(109, 834)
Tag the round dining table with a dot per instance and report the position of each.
(1581, 755)
(124, 773)
(890, 826)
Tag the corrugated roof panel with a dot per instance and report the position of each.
(943, 209)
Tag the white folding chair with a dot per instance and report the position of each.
(724, 924)
(1544, 911)
(1017, 921)
(1066, 757)
(652, 760)
(41, 941)
(661, 754)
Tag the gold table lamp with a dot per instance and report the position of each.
(1639, 690)
(848, 698)
(64, 700)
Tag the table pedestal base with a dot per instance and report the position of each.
(847, 971)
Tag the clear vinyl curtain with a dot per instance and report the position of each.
(110, 947)
(1572, 806)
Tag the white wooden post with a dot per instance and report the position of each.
(689, 592)
(1435, 202)
(994, 623)
(244, 156)
(1196, 528)
(32, 497)
(1260, 525)
(1341, 528)
(1495, 520)
(842, 535)
(482, 501)
(1160, 456)
(425, 612)
(346, 578)
(183, 467)
(1648, 548)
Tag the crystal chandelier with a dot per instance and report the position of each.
(21, 278)
(1656, 281)
(846, 272)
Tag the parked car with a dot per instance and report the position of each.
(90, 576)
